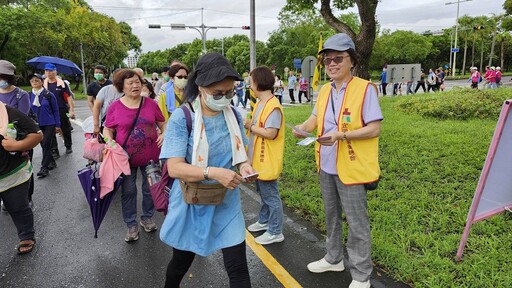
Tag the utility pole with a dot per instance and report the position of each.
(252, 40)
(456, 30)
(202, 29)
(84, 82)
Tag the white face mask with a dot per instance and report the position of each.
(180, 83)
(216, 105)
(144, 94)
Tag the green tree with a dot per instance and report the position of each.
(402, 47)
(364, 39)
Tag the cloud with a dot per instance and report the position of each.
(418, 16)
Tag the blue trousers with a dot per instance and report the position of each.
(129, 197)
(271, 211)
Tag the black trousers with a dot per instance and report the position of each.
(16, 202)
(422, 85)
(65, 126)
(292, 97)
(305, 93)
(235, 262)
(384, 88)
(46, 144)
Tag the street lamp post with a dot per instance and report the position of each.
(202, 29)
(456, 30)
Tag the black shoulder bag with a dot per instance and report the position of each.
(133, 124)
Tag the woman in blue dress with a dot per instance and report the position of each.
(209, 153)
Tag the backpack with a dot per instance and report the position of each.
(161, 189)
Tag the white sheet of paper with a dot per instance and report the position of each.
(307, 141)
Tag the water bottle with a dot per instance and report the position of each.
(153, 172)
(11, 133)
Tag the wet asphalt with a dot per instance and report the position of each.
(67, 254)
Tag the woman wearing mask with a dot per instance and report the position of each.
(208, 155)
(173, 96)
(44, 105)
(134, 120)
(347, 119)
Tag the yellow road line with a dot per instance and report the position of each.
(281, 274)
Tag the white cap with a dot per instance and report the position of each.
(498, 68)
(493, 68)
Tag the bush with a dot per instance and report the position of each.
(457, 104)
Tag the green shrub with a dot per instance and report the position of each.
(457, 104)
(430, 168)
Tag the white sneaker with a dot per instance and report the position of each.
(322, 266)
(357, 284)
(267, 238)
(257, 227)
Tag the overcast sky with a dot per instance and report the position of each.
(416, 15)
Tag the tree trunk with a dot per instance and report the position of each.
(502, 55)
(4, 42)
(492, 47)
(365, 39)
(473, 51)
(482, 56)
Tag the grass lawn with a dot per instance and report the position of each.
(430, 170)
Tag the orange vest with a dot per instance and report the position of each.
(267, 156)
(357, 161)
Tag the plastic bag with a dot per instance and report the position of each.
(93, 149)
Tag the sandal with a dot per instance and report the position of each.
(30, 243)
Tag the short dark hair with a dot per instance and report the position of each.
(173, 70)
(165, 69)
(102, 68)
(354, 57)
(263, 78)
(123, 74)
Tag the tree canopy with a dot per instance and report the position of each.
(58, 28)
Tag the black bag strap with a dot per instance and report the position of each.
(133, 124)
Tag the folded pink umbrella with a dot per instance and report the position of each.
(115, 162)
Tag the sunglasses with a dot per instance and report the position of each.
(181, 77)
(337, 59)
(228, 95)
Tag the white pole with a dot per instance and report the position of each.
(252, 40)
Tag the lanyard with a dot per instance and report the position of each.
(333, 112)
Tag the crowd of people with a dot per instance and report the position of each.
(435, 81)
(187, 120)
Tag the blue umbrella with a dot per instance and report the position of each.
(64, 66)
(91, 185)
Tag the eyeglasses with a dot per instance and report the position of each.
(337, 59)
(181, 77)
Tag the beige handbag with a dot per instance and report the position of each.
(202, 194)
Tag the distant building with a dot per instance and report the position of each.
(131, 61)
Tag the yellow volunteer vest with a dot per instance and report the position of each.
(163, 106)
(268, 153)
(357, 161)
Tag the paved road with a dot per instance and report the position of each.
(67, 255)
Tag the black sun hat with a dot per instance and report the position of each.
(212, 68)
